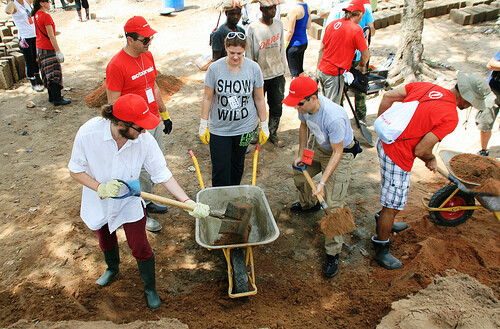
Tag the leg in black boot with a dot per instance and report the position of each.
(57, 99)
(147, 271)
(112, 259)
(382, 255)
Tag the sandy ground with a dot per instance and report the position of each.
(50, 259)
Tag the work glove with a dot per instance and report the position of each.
(166, 121)
(109, 189)
(203, 132)
(60, 57)
(200, 210)
(348, 77)
(264, 132)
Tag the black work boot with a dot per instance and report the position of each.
(147, 271)
(382, 255)
(55, 95)
(396, 227)
(112, 259)
(331, 266)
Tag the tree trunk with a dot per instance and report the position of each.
(408, 59)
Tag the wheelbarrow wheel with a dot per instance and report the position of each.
(240, 274)
(451, 218)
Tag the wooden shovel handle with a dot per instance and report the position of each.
(163, 200)
(313, 186)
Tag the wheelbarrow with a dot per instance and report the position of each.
(239, 256)
(454, 204)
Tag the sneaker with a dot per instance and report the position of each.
(297, 207)
(331, 266)
(483, 153)
(276, 141)
(38, 88)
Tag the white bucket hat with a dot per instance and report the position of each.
(473, 89)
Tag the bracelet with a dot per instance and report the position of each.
(186, 200)
(321, 183)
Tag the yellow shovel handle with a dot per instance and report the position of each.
(255, 158)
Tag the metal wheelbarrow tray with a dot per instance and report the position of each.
(263, 230)
(454, 204)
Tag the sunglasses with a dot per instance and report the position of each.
(139, 130)
(306, 99)
(240, 35)
(145, 41)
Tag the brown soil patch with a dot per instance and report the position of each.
(339, 222)
(474, 168)
(490, 186)
(168, 84)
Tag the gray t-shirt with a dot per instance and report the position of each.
(233, 110)
(330, 125)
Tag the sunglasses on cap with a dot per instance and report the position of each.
(240, 35)
(145, 41)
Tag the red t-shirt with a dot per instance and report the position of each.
(42, 19)
(436, 113)
(133, 75)
(342, 38)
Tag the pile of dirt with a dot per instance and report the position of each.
(490, 186)
(454, 301)
(163, 323)
(475, 168)
(168, 84)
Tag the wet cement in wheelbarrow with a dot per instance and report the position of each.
(475, 168)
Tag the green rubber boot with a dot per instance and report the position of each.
(112, 259)
(147, 271)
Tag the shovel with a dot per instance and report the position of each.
(333, 224)
(367, 135)
(235, 219)
(241, 213)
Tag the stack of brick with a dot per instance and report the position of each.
(477, 13)
(12, 62)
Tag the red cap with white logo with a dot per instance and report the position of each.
(133, 108)
(300, 88)
(139, 25)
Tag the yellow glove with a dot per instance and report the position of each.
(203, 132)
(109, 189)
(165, 115)
(264, 132)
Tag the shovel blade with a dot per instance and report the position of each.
(236, 218)
(367, 135)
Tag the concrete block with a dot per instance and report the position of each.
(2, 22)
(478, 15)
(6, 80)
(471, 3)
(13, 50)
(5, 32)
(382, 6)
(390, 18)
(316, 19)
(397, 14)
(3, 51)
(495, 4)
(430, 9)
(13, 67)
(442, 8)
(13, 30)
(20, 64)
(452, 4)
(396, 5)
(6, 40)
(11, 44)
(315, 31)
(460, 17)
(490, 11)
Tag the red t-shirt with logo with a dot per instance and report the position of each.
(342, 38)
(436, 113)
(42, 19)
(133, 75)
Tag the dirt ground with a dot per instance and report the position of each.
(50, 259)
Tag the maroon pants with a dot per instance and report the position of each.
(136, 239)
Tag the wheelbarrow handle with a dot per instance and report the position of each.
(152, 197)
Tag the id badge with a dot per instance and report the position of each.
(30, 20)
(233, 102)
(150, 95)
(307, 158)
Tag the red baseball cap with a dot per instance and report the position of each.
(133, 108)
(300, 88)
(355, 5)
(139, 25)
